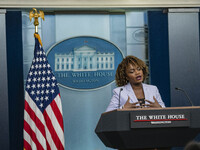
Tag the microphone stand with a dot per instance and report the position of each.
(179, 89)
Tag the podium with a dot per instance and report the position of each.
(149, 128)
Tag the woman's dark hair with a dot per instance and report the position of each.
(120, 75)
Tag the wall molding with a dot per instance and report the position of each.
(98, 3)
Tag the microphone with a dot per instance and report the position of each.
(121, 89)
(188, 98)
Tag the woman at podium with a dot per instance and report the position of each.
(131, 91)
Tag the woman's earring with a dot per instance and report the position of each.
(126, 80)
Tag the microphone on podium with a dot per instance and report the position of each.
(188, 98)
(121, 89)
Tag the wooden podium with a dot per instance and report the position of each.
(149, 128)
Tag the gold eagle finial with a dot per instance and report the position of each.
(34, 13)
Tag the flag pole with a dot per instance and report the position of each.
(34, 14)
(43, 119)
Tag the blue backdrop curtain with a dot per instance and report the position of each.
(15, 78)
(159, 53)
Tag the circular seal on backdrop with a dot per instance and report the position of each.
(139, 35)
(84, 62)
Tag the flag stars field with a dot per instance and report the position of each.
(35, 84)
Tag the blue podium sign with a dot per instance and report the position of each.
(84, 62)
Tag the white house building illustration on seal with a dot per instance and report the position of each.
(84, 58)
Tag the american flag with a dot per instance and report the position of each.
(43, 119)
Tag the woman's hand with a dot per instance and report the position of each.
(153, 104)
(131, 105)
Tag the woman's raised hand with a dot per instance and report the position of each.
(153, 104)
(131, 105)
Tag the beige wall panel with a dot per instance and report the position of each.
(97, 3)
